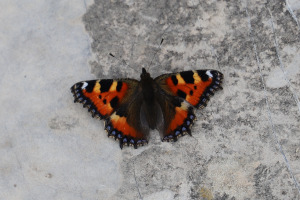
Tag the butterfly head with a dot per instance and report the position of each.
(145, 75)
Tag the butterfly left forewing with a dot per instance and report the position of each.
(193, 89)
(101, 97)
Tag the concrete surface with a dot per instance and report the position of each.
(245, 144)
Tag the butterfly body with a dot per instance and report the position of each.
(132, 108)
(149, 109)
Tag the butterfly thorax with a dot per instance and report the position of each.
(147, 83)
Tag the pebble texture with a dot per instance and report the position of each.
(245, 144)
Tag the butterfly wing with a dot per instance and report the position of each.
(126, 124)
(101, 97)
(178, 117)
(181, 92)
(118, 102)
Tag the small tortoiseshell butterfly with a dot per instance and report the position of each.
(131, 108)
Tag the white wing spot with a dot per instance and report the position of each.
(84, 85)
(208, 73)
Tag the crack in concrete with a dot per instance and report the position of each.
(267, 103)
(137, 185)
(296, 98)
(292, 13)
(85, 5)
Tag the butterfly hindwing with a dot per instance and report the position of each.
(125, 123)
(178, 117)
(193, 89)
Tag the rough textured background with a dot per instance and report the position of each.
(245, 144)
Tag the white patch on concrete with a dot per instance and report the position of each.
(295, 4)
(276, 79)
(208, 73)
(84, 85)
(41, 159)
(231, 178)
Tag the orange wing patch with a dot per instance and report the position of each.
(195, 86)
(180, 116)
(118, 128)
(100, 96)
(181, 123)
(120, 124)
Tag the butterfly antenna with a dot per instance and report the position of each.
(156, 51)
(159, 47)
(122, 61)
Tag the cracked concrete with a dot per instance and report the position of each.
(245, 144)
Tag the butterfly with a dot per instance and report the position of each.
(132, 108)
